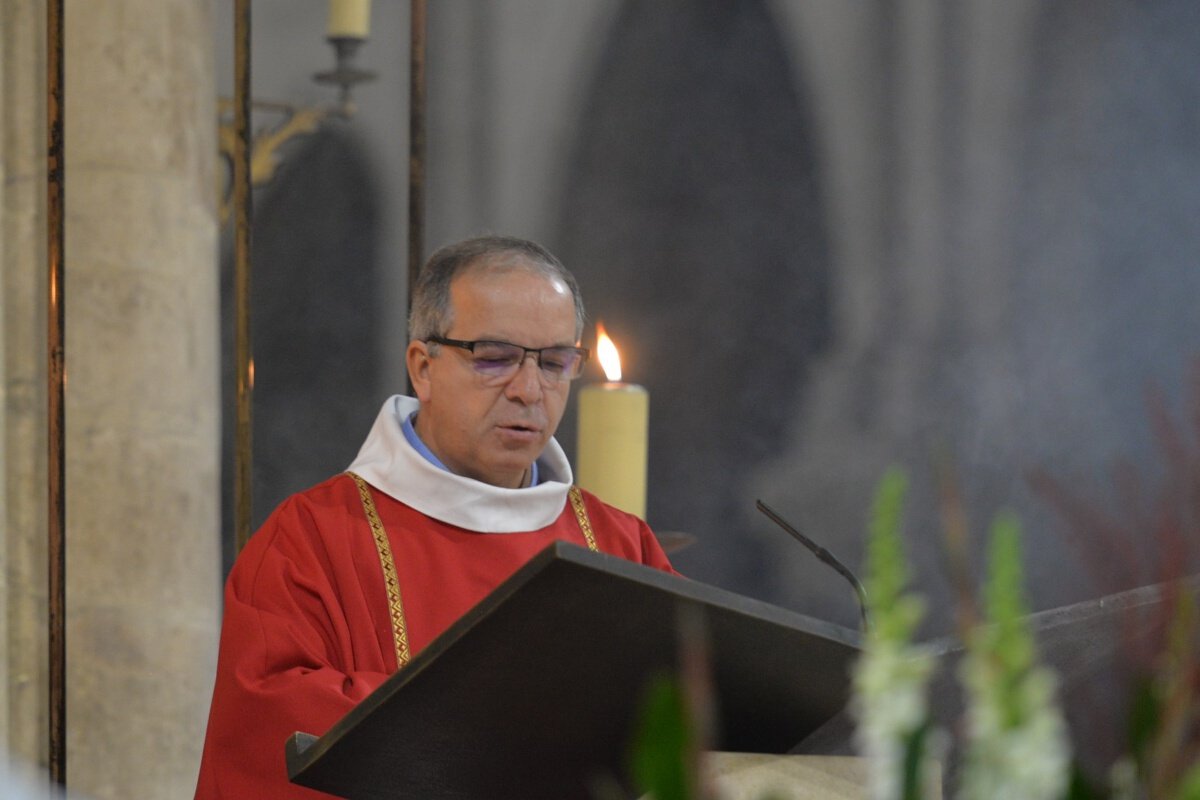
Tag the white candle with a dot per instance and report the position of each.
(349, 19)
(612, 447)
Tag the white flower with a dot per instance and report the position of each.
(1017, 743)
(890, 705)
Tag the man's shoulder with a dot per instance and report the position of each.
(613, 517)
(625, 534)
(331, 493)
(341, 485)
(316, 512)
(594, 501)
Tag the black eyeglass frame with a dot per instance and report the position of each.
(470, 345)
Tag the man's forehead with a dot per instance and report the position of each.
(519, 304)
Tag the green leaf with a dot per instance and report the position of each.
(914, 756)
(1080, 788)
(1145, 714)
(1189, 784)
(895, 614)
(1008, 641)
(661, 757)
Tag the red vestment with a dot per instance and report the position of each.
(307, 632)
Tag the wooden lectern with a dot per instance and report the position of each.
(534, 692)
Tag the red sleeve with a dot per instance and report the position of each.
(295, 655)
(651, 552)
(623, 534)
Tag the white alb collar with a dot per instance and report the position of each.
(389, 463)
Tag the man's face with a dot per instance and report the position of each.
(493, 433)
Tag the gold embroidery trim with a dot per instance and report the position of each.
(391, 581)
(581, 515)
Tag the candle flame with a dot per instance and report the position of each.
(606, 351)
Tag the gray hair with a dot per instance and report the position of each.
(431, 314)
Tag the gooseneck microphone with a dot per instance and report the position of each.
(824, 555)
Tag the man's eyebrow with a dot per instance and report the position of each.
(483, 337)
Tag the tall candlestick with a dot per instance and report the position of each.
(614, 422)
(349, 19)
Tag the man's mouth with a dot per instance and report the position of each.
(524, 432)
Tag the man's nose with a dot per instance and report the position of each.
(526, 385)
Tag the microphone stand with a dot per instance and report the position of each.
(825, 556)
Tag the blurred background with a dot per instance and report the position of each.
(828, 237)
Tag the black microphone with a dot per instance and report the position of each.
(824, 555)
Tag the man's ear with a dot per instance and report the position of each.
(417, 358)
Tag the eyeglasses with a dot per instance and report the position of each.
(499, 361)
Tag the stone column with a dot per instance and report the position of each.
(23, 697)
(142, 403)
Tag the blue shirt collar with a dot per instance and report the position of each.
(410, 433)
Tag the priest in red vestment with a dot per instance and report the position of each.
(450, 494)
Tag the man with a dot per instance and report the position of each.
(450, 494)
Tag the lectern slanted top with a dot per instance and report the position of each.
(533, 693)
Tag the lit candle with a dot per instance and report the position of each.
(614, 419)
(349, 19)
